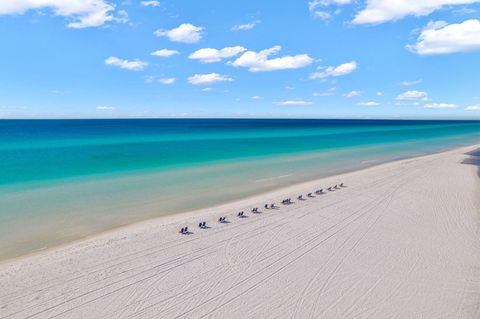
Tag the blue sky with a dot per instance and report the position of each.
(320, 58)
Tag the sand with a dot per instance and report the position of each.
(402, 240)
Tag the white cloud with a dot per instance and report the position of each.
(122, 17)
(328, 92)
(260, 62)
(134, 65)
(442, 38)
(83, 13)
(371, 103)
(322, 15)
(167, 80)
(209, 55)
(256, 97)
(149, 79)
(410, 83)
(340, 70)
(246, 26)
(206, 89)
(379, 93)
(353, 94)
(380, 11)
(204, 79)
(439, 106)
(152, 3)
(294, 102)
(473, 107)
(413, 95)
(165, 53)
(185, 33)
(465, 10)
(314, 4)
(105, 108)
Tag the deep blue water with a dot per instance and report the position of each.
(32, 150)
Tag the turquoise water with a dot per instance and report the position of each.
(61, 180)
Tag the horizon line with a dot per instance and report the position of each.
(240, 118)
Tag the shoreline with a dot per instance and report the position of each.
(400, 239)
(170, 218)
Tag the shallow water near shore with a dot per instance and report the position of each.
(62, 180)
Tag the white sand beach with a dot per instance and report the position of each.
(401, 240)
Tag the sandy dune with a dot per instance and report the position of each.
(402, 240)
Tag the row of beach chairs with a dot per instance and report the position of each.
(287, 201)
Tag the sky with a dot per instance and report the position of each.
(289, 58)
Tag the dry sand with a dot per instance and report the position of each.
(402, 240)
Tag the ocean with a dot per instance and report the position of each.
(62, 180)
